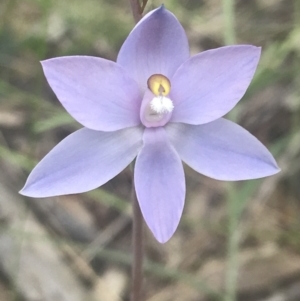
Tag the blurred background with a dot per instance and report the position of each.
(236, 241)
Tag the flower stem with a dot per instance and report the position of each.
(137, 9)
(137, 245)
(143, 5)
(137, 222)
(229, 22)
(234, 211)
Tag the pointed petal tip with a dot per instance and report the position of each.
(46, 61)
(22, 192)
(161, 238)
(274, 168)
(43, 64)
(26, 191)
(277, 169)
(258, 49)
(255, 51)
(162, 7)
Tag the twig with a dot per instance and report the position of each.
(137, 224)
(143, 6)
(137, 245)
(137, 9)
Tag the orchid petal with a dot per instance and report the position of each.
(83, 161)
(160, 184)
(156, 45)
(222, 150)
(96, 92)
(210, 84)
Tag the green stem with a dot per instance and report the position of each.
(233, 246)
(229, 22)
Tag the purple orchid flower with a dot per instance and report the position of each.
(157, 104)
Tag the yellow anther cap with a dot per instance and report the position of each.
(159, 85)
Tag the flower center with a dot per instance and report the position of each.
(156, 107)
(160, 86)
(161, 104)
